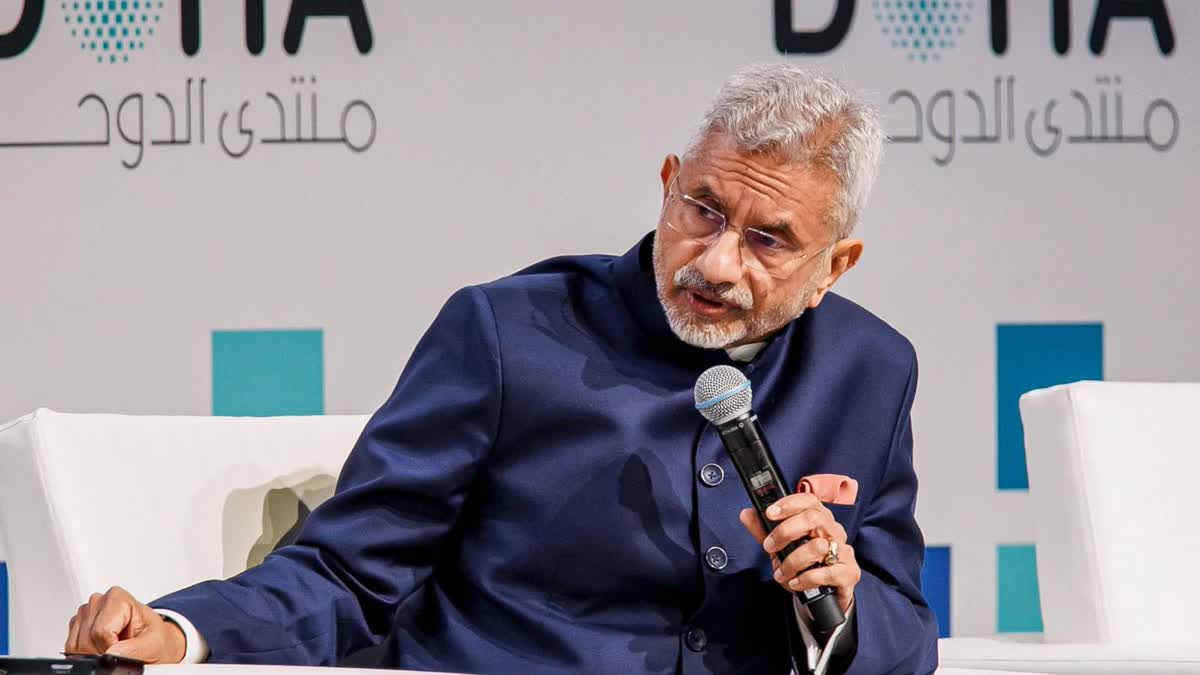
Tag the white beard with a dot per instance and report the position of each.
(699, 332)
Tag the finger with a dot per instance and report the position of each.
(83, 639)
(157, 641)
(795, 528)
(145, 647)
(792, 504)
(72, 645)
(828, 528)
(842, 576)
(836, 532)
(753, 524)
(115, 614)
(141, 618)
(806, 556)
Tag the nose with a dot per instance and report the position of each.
(721, 262)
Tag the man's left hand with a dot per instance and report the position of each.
(798, 516)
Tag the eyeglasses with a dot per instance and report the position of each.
(760, 250)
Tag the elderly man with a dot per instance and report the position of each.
(539, 495)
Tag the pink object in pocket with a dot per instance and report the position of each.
(831, 488)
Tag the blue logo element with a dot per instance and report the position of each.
(112, 30)
(268, 372)
(924, 29)
(1033, 356)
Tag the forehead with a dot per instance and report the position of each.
(760, 187)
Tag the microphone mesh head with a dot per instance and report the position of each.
(722, 393)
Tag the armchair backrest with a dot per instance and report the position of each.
(1113, 480)
(149, 503)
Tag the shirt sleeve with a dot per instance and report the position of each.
(817, 657)
(196, 648)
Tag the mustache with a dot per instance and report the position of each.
(690, 278)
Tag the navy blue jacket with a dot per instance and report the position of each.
(528, 501)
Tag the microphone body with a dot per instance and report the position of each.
(723, 396)
(760, 474)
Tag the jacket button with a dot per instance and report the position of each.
(716, 558)
(712, 474)
(696, 639)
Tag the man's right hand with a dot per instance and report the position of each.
(116, 623)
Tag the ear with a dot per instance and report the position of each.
(670, 167)
(845, 255)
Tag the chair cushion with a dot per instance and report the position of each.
(1067, 659)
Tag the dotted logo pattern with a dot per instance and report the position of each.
(924, 29)
(113, 30)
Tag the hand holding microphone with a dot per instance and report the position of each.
(809, 566)
(808, 547)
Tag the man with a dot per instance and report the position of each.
(539, 495)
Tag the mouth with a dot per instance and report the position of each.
(708, 306)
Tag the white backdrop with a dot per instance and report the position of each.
(507, 132)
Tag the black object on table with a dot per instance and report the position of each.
(82, 664)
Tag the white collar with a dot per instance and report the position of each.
(745, 353)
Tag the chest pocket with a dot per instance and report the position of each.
(847, 516)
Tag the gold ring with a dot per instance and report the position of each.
(832, 558)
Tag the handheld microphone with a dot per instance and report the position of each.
(724, 397)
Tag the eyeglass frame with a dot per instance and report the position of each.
(720, 232)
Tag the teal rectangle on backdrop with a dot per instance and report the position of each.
(1018, 608)
(1033, 356)
(268, 372)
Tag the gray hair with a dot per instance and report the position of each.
(802, 117)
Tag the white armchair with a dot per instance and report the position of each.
(1112, 469)
(151, 504)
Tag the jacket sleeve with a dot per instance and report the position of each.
(896, 630)
(361, 553)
